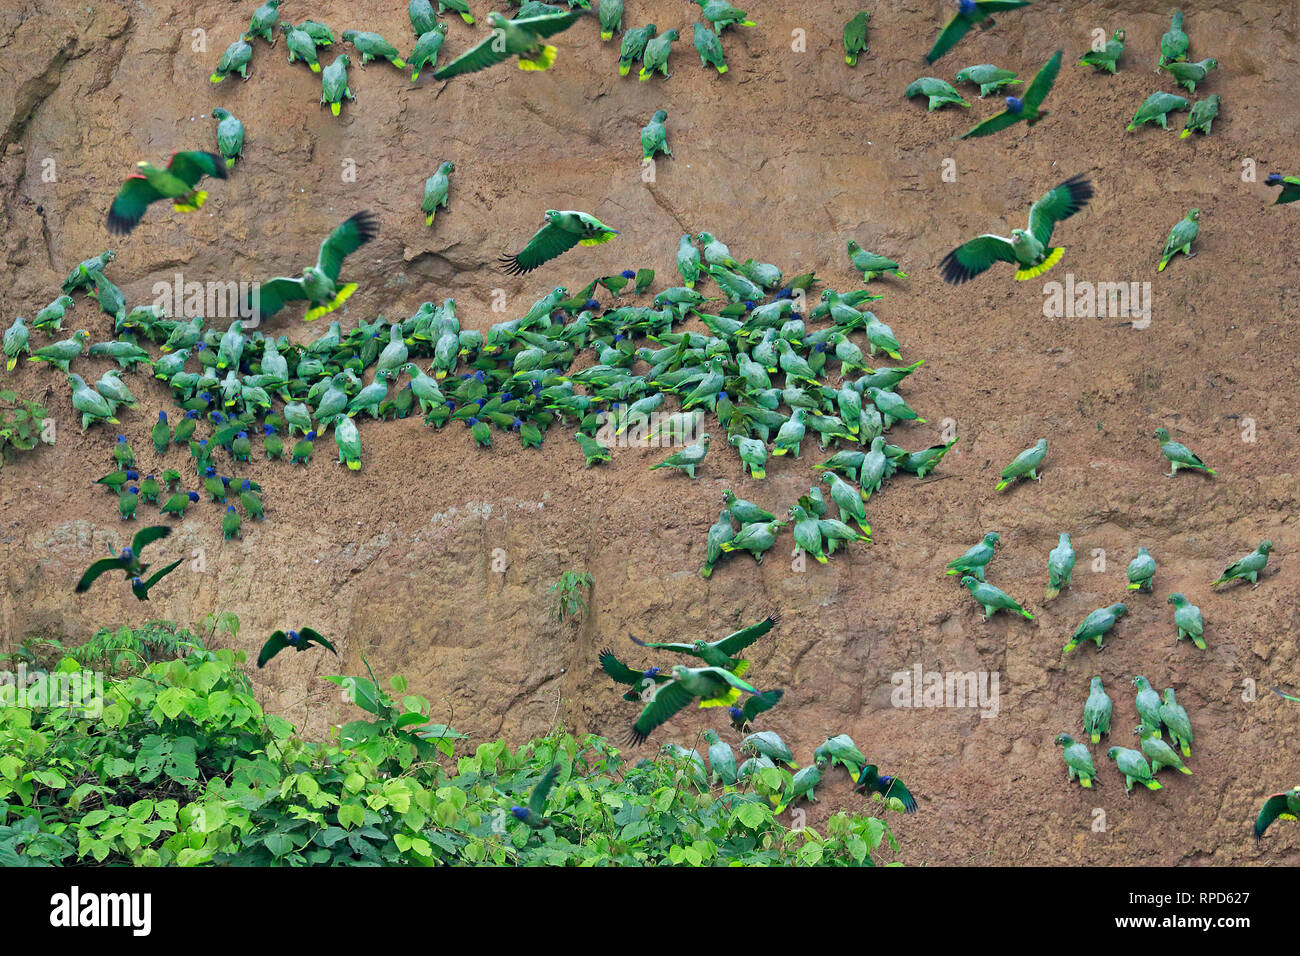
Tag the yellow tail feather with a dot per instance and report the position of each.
(335, 108)
(624, 70)
(726, 700)
(600, 240)
(216, 78)
(354, 466)
(1029, 272)
(11, 363)
(193, 203)
(428, 220)
(541, 60)
(1086, 781)
(315, 67)
(399, 63)
(339, 298)
(467, 18)
(230, 162)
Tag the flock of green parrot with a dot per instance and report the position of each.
(757, 366)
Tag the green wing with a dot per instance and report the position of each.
(478, 57)
(1274, 807)
(1060, 203)
(667, 701)
(616, 669)
(679, 648)
(142, 591)
(537, 802)
(309, 636)
(550, 24)
(147, 536)
(999, 6)
(733, 644)
(274, 645)
(129, 207)
(101, 566)
(1042, 84)
(954, 31)
(994, 123)
(269, 297)
(970, 259)
(722, 674)
(349, 236)
(758, 703)
(547, 243)
(192, 166)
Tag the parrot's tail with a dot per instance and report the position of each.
(398, 62)
(1085, 781)
(850, 59)
(230, 162)
(428, 220)
(190, 203)
(542, 59)
(216, 77)
(1030, 272)
(339, 298)
(706, 571)
(726, 700)
(1049, 595)
(467, 18)
(315, 67)
(1153, 784)
(336, 108)
(607, 34)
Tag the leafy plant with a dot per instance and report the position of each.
(566, 595)
(20, 424)
(182, 767)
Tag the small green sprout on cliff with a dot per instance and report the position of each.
(566, 595)
(21, 424)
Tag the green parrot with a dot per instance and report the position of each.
(319, 283)
(263, 22)
(176, 182)
(1189, 74)
(234, 60)
(656, 55)
(321, 34)
(807, 533)
(849, 500)
(230, 523)
(992, 599)
(989, 78)
(562, 230)
(892, 407)
(1096, 711)
(1179, 455)
(592, 450)
(1026, 108)
(128, 562)
(458, 6)
(1248, 567)
(688, 261)
(722, 652)
(302, 46)
(709, 46)
(855, 37)
(937, 92)
(534, 815)
(436, 188)
(1159, 752)
(888, 790)
(79, 279)
(721, 531)
(1202, 116)
(633, 47)
(745, 512)
(348, 441)
(1077, 760)
(722, 760)
(768, 744)
(1280, 806)
(1181, 238)
(1096, 625)
(688, 459)
(871, 264)
(715, 686)
(654, 138)
(610, 14)
(790, 436)
(757, 538)
(1289, 185)
(177, 503)
(334, 84)
(61, 353)
(426, 50)
(1174, 44)
(743, 717)
(722, 14)
(1134, 767)
(1024, 465)
(969, 13)
(753, 455)
(372, 46)
(16, 342)
(1176, 722)
(230, 136)
(298, 640)
(518, 38)
(1148, 704)
(976, 560)
(1107, 58)
(1026, 249)
(1142, 572)
(1060, 565)
(51, 317)
(805, 779)
(641, 682)
(1156, 108)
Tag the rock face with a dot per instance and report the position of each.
(786, 157)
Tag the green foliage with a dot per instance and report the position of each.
(182, 767)
(20, 424)
(566, 595)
